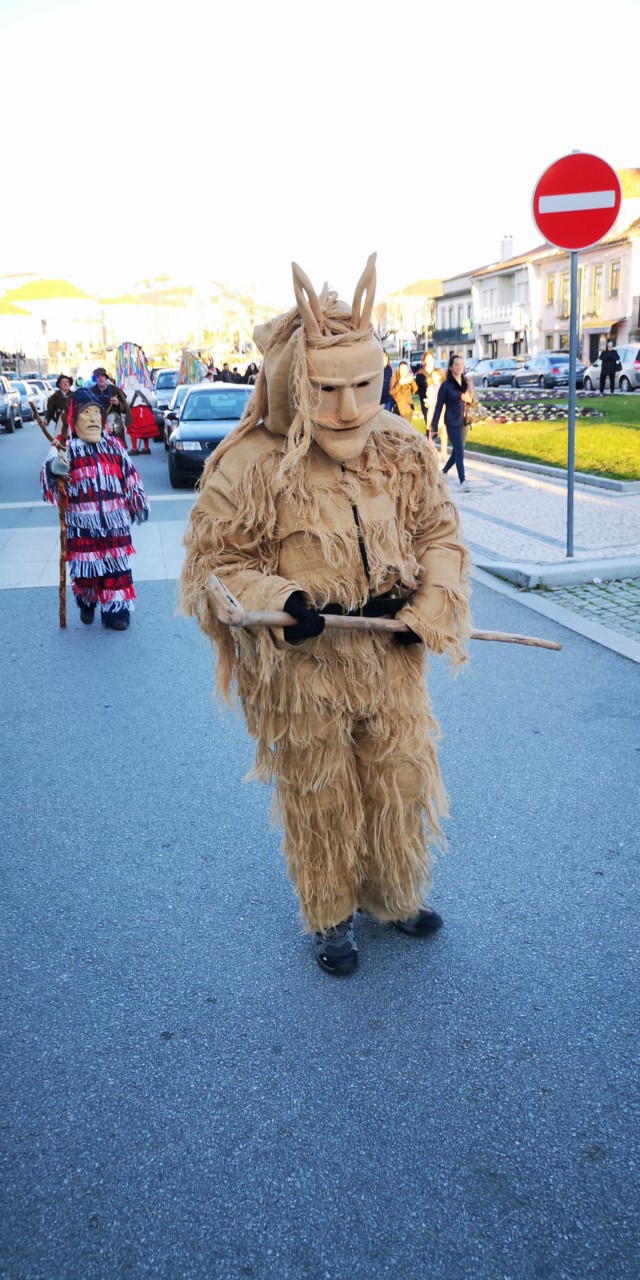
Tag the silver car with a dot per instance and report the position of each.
(627, 378)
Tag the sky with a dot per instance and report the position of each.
(223, 141)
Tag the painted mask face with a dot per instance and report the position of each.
(88, 424)
(347, 384)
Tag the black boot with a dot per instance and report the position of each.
(87, 611)
(425, 921)
(116, 620)
(335, 948)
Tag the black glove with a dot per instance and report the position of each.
(407, 637)
(309, 622)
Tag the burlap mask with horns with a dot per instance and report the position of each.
(321, 377)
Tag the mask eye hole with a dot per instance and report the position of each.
(363, 384)
(327, 388)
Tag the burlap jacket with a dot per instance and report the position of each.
(339, 533)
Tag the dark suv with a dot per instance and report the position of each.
(10, 405)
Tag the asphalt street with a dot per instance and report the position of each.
(185, 1093)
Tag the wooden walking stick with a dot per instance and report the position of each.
(233, 614)
(61, 490)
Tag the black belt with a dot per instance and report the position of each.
(375, 607)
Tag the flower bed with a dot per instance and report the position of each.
(511, 405)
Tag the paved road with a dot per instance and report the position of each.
(185, 1094)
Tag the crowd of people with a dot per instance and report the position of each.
(225, 374)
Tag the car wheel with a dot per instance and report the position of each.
(175, 479)
(625, 385)
(541, 381)
(514, 382)
(588, 385)
(10, 424)
(485, 382)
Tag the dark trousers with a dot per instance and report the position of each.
(457, 437)
(611, 375)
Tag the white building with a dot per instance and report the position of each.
(454, 331)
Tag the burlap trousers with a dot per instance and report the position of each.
(358, 797)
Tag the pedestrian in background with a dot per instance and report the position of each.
(421, 383)
(113, 403)
(251, 374)
(385, 397)
(403, 388)
(610, 364)
(58, 403)
(454, 393)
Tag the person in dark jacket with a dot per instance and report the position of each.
(58, 403)
(113, 403)
(421, 382)
(452, 397)
(609, 366)
(387, 374)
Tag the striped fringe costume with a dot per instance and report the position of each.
(104, 494)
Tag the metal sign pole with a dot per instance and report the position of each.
(571, 440)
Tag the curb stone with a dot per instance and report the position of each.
(624, 645)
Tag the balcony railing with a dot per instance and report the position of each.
(443, 336)
(562, 308)
(592, 305)
(510, 314)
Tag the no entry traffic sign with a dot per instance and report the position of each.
(576, 201)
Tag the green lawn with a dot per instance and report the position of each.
(606, 446)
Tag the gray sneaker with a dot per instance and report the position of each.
(465, 486)
(335, 949)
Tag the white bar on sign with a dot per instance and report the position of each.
(574, 200)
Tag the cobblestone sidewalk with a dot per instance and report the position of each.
(614, 604)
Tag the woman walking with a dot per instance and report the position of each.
(454, 393)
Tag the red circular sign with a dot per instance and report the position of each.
(576, 201)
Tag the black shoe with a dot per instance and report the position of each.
(335, 949)
(115, 622)
(87, 613)
(425, 921)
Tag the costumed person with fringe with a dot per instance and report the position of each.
(104, 494)
(322, 502)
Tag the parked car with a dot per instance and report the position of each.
(550, 370)
(471, 365)
(494, 373)
(38, 392)
(10, 406)
(627, 378)
(164, 387)
(25, 403)
(171, 416)
(207, 414)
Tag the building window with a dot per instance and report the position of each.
(564, 342)
(597, 279)
(551, 287)
(443, 318)
(460, 315)
(451, 317)
(614, 279)
(565, 285)
(548, 342)
(468, 311)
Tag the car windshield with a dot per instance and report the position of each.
(214, 407)
(167, 381)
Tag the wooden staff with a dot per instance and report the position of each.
(61, 490)
(233, 614)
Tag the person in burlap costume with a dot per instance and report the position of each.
(321, 500)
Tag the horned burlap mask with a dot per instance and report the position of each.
(323, 368)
